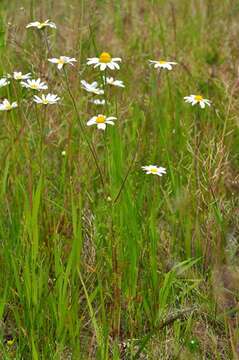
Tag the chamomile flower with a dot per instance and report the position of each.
(104, 61)
(101, 121)
(62, 60)
(111, 81)
(41, 25)
(92, 88)
(98, 101)
(197, 99)
(162, 64)
(4, 82)
(48, 99)
(34, 84)
(18, 75)
(155, 170)
(7, 106)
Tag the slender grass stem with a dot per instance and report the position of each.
(89, 143)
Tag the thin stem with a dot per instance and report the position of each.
(128, 172)
(170, 95)
(89, 143)
(105, 93)
(48, 50)
(196, 169)
(196, 146)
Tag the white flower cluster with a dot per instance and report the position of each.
(105, 62)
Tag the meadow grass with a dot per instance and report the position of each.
(98, 259)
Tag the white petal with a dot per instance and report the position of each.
(111, 65)
(92, 121)
(116, 66)
(168, 66)
(91, 61)
(101, 126)
(103, 66)
(97, 65)
(53, 60)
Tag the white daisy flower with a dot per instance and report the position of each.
(101, 121)
(104, 61)
(111, 81)
(161, 64)
(6, 105)
(4, 82)
(62, 60)
(41, 25)
(48, 99)
(34, 84)
(92, 88)
(20, 76)
(197, 99)
(155, 170)
(98, 101)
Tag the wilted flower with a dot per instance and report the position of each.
(20, 76)
(155, 170)
(101, 121)
(197, 99)
(111, 81)
(34, 84)
(4, 82)
(48, 99)
(62, 60)
(92, 88)
(103, 61)
(6, 105)
(162, 64)
(41, 25)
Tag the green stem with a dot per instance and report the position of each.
(89, 143)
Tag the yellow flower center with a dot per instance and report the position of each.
(162, 62)
(61, 61)
(34, 86)
(8, 106)
(154, 170)
(105, 57)
(100, 119)
(198, 98)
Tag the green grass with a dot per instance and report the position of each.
(95, 254)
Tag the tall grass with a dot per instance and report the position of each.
(98, 259)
